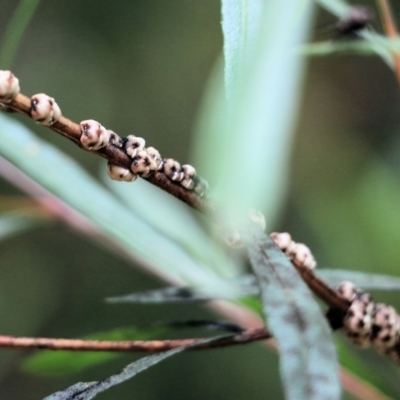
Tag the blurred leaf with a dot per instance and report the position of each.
(377, 42)
(246, 146)
(176, 220)
(363, 280)
(72, 184)
(15, 30)
(360, 47)
(308, 358)
(88, 390)
(244, 286)
(12, 224)
(66, 362)
(167, 295)
(241, 22)
(350, 360)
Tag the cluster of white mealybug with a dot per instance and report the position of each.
(145, 161)
(298, 253)
(9, 86)
(367, 323)
(94, 137)
(44, 109)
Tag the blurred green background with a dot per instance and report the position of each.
(140, 68)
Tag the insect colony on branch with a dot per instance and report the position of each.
(365, 323)
(94, 136)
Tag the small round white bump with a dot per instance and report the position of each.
(93, 135)
(282, 240)
(188, 175)
(142, 164)
(173, 169)
(9, 86)
(155, 155)
(258, 217)
(44, 109)
(133, 145)
(201, 187)
(118, 173)
(233, 239)
(347, 290)
(302, 256)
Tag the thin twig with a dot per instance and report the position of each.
(248, 336)
(389, 26)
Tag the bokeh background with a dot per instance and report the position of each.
(141, 68)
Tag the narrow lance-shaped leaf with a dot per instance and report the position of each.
(244, 286)
(241, 23)
(308, 360)
(245, 147)
(89, 390)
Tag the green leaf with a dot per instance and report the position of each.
(241, 22)
(363, 280)
(176, 220)
(89, 390)
(245, 147)
(308, 358)
(244, 286)
(15, 30)
(67, 362)
(376, 42)
(361, 47)
(13, 224)
(60, 175)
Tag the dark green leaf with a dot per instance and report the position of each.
(15, 30)
(13, 224)
(308, 359)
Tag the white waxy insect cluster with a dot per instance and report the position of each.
(145, 161)
(44, 109)
(369, 324)
(9, 86)
(298, 253)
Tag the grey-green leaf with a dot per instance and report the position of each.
(89, 390)
(363, 280)
(309, 366)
